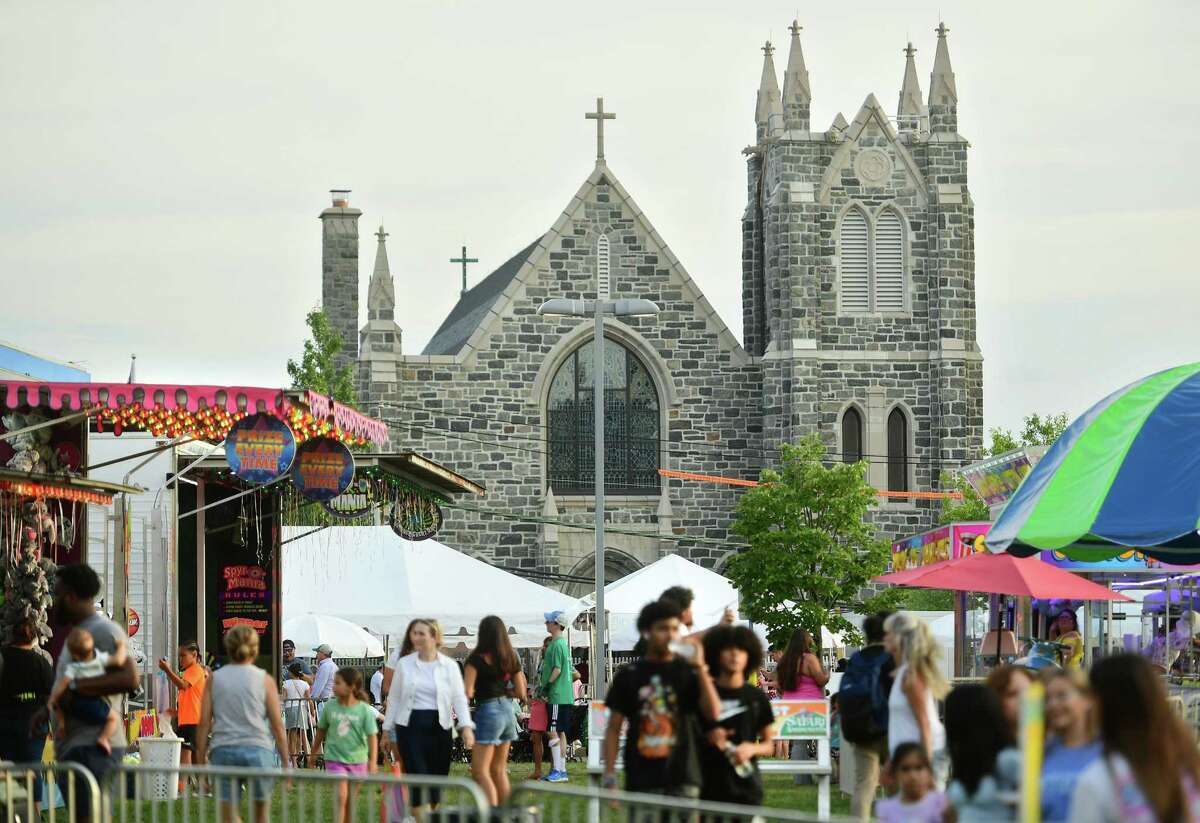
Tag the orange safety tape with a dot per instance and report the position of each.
(733, 481)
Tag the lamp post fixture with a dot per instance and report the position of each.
(598, 309)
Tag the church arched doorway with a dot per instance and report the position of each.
(617, 564)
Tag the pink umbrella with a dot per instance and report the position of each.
(1002, 574)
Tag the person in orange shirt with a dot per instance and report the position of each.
(190, 682)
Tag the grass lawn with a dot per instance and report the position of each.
(310, 802)
(779, 789)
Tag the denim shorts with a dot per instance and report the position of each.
(254, 757)
(495, 721)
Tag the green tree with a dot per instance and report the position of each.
(317, 370)
(810, 550)
(1035, 431)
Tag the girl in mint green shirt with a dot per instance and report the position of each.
(347, 729)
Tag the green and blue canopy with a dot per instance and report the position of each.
(1124, 475)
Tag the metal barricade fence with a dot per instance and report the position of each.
(69, 790)
(533, 802)
(292, 795)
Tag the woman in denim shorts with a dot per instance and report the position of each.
(241, 706)
(493, 678)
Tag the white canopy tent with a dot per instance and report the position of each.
(308, 631)
(624, 598)
(373, 578)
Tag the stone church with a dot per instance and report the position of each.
(858, 316)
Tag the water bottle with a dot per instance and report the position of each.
(740, 769)
(685, 650)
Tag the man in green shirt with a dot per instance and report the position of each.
(559, 694)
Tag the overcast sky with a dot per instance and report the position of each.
(165, 164)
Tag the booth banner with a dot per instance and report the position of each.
(245, 599)
(597, 728)
(943, 543)
(323, 469)
(800, 719)
(996, 478)
(1130, 560)
(260, 448)
(597, 720)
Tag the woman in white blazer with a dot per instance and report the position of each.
(426, 699)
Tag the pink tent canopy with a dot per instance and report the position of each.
(1002, 574)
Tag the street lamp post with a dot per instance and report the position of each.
(597, 309)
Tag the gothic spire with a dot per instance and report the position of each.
(911, 114)
(381, 295)
(942, 90)
(797, 94)
(768, 110)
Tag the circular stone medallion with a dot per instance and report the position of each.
(873, 167)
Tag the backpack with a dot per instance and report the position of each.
(862, 700)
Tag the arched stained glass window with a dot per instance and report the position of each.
(897, 440)
(631, 424)
(852, 436)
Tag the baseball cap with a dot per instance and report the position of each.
(556, 616)
(324, 648)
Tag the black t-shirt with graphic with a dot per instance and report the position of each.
(661, 701)
(744, 712)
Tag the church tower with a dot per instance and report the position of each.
(858, 281)
(380, 339)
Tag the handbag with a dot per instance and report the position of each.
(393, 801)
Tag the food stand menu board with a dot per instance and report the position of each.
(244, 599)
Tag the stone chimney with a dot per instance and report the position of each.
(339, 272)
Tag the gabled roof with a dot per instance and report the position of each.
(473, 306)
(482, 308)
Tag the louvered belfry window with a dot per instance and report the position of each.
(872, 271)
(855, 263)
(889, 262)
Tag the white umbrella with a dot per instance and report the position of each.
(310, 630)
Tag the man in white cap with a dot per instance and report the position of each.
(558, 693)
(322, 684)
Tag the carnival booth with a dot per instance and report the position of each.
(1118, 497)
(230, 553)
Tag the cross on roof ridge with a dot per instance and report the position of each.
(599, 115)
(464, 260)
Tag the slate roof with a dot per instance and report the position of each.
(473, 306)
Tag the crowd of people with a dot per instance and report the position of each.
(693, 711)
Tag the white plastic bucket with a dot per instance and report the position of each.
(160, 753)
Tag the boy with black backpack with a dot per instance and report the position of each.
(862, 706)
